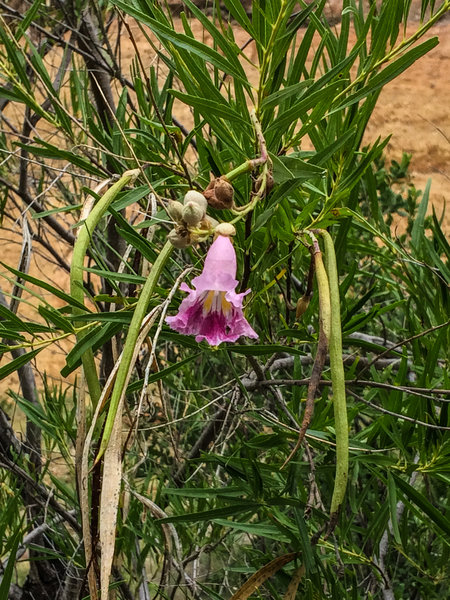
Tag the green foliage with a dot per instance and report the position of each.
(208, 429)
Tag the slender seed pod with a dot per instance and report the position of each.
(338, 384)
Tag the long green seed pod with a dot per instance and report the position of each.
(322, 346)
(130, 343)
(338, 383)
(76, 272)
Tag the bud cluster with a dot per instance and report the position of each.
(192, 222)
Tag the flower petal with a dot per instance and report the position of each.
(219, 271)
(213, 310)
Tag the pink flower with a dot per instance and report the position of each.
(213, 311)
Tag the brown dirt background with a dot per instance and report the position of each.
(414, 109)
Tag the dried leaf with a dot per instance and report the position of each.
(295, 582)
(83, 488)
(109, 501)
(262, 575)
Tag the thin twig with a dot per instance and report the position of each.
(403, 342)
(385, 411)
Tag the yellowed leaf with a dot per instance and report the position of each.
(294, 583)
(109, 501)
(83, 490)
(262, 575)
(112, 466)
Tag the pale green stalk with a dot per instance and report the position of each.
(77, 271)
(337, 380)
(130, 343)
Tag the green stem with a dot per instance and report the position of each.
(268, 56)
(130, 343)
(77, 271)
(338, 382)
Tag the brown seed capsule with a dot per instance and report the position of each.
(302, 305)
(219, 193)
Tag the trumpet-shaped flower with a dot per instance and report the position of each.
(213, 310)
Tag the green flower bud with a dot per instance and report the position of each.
(192, 213)
(198, 198)
(175, 210)
(226, 229)
(179, 238)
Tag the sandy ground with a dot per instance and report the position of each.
(414, 109)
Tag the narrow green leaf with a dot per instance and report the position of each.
(184, 42)
(8, 315)
(208, 515)
(93, 340)
(392, 495)
(286, 93)
(46, 286)
(417, 231)
(229, 491)
(54, 211)
(206, 106)
(28, 18)
(9, 570)
(47, 150)
(113, 276)
(265, 530)
(440, 520)
(18, 362)
(287, 168)
(55, 317)
(388, 73)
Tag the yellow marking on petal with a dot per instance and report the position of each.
(226, 306)
(208, 301)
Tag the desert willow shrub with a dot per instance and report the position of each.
(254, 396)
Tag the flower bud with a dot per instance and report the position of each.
(198, 198)
(209, 223)
(179, 237)
(175, 210)
(302, 306)
(192, 213)
(219, 193)
(226, 229)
